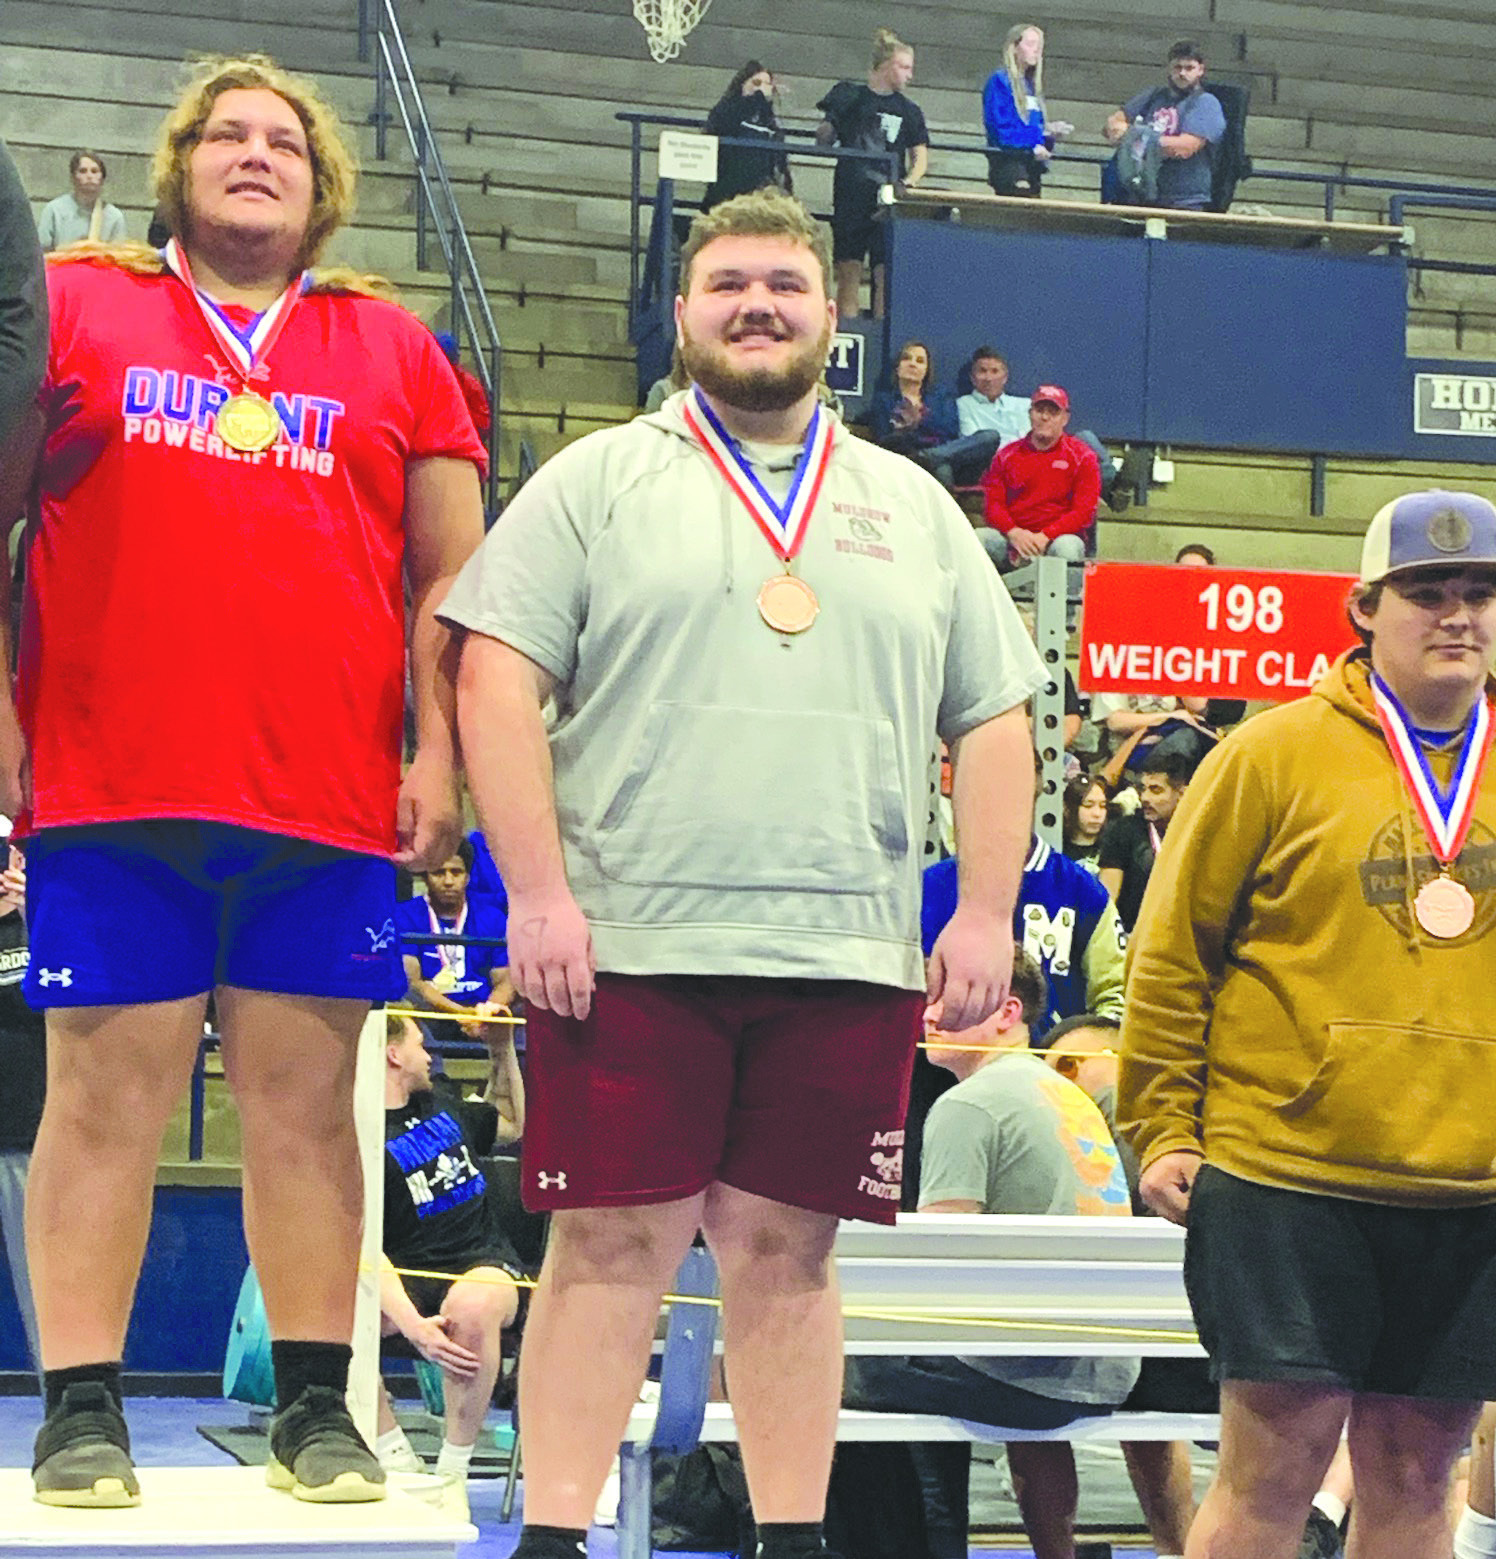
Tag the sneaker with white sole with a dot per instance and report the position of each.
(318, 1455)
(83, 1452)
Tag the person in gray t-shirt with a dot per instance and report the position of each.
(1013, 1136)
(1190, 122)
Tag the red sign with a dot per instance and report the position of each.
(1225, 632)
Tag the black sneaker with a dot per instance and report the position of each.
(83, 1452)
(1321, 1538)
(317, 1454)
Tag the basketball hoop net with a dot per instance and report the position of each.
(666, 22)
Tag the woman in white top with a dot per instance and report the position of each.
(84, 213)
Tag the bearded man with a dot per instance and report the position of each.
(753, 627)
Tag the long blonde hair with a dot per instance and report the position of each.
(334, 172)
(132, 255)
(887, 43)
(1017, 77)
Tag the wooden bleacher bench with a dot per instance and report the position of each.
(964, 1285)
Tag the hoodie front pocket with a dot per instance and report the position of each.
(1391, 1096)
(723, 797)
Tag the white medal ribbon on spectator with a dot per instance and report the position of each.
(1444, 906)
(453, 957)
(785, 602)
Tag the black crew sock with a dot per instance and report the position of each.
(58, 1381)
(537, 1542)
(790, 1539)
(299, 1364)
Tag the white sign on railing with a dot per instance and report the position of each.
(687, 156)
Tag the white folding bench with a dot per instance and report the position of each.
(947, 1284)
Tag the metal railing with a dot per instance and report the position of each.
(472, 321)
(1402, 192)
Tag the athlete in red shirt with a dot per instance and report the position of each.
(246, 467)
(1043, 489)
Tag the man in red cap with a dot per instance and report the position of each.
(1043, 489)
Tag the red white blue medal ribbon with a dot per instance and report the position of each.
(1446, 815)
(245, 349)
(783, 525)
(453, 957)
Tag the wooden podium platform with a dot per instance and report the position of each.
(207, 1512)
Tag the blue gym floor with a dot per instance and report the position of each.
(163, 1432)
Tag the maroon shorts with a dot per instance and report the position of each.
(793, 1090)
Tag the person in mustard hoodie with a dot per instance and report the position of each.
(1308, 1068)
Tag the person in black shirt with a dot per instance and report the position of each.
(1129, 845)
(745, 111)
(873, 117)
(23, 1087)
(437, 1219)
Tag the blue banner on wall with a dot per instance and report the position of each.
(1168, 340)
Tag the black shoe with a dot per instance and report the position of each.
(1119, 495)
(317, 1454)
(1321, 1538)
(83, 1452)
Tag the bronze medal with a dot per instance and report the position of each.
(1445, 908)
(247, 422)
(787, 604)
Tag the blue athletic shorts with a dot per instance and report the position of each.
(121, 913)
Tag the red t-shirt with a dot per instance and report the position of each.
(1053, 490)
(216, 635)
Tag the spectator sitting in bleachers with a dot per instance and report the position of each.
(1188, 121)
(83, 212)
(1011, 1137)
(1042, 491)
(1129, 844)
(1085, 806)
(987, 418)
(746, 111)
(468, 982)
(438, 1219)
(1063, 920)
(1136, 724)
(1019, 138)
(872, 116)
(911, 415)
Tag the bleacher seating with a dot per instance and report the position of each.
(524, 92)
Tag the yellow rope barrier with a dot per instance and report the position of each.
(906, 1314)
(452, 1017)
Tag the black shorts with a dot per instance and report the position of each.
(856, 232)
(427, 1294)
(1293, 1286)
(1171, 1385)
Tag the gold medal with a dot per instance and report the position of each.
(445, 979)
(1445, 908)
(247, 422)
(787, 604)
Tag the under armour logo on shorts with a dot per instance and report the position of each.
(547, 1181)
(54, 976)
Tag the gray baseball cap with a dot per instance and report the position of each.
(1429, 530)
